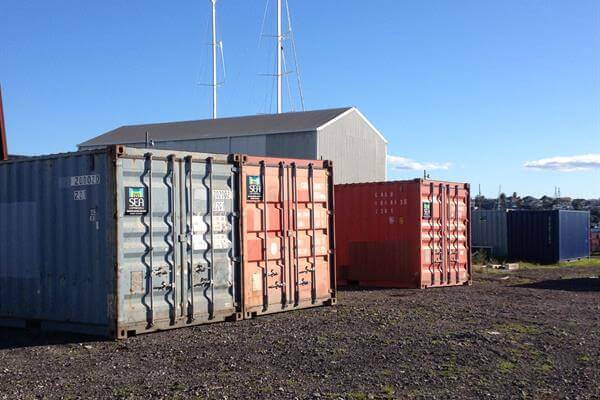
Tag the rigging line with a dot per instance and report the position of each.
(223, 62)
(294, 52)
(287, 80)
(203, 65)
(272, 91)
(262, 26)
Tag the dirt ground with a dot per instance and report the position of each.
(535, 334)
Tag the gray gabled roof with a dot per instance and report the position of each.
(290, 122)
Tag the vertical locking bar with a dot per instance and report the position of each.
(190, 163)
(449, 235)
(265, 220)
(171, 159)
(443, 232)
(457, 237)
(283, 227)
(313, 283)
(432, 232)
(151, 239)
(296, 241)
(212, 238)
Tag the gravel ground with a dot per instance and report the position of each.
(533, 335)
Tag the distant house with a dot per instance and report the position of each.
(343, 135)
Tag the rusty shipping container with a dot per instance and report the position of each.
(119, 241)
(288, 259)
(404, 234)
(595, 240)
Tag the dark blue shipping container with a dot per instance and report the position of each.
(548, 237)
(488, 232)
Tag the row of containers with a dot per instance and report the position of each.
(543, 237)
(123, 241)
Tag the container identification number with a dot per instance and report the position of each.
(85, 180)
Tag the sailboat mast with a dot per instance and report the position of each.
(214, 55)
(279, 58)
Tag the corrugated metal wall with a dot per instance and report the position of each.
(56, 237)
(488, 230)
(292, 145)
(289, 145)
(357, 152)
(574, 234)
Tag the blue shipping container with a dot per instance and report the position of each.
(548, 237)
(488, 232)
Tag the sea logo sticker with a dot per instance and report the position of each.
(254, 187)
(135, 201)
(426, 210)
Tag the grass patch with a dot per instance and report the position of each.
(358, 396)
(516, 328)
(506, 366)
(388, 391)
(584, 358)
(546, 367)
(585, 262)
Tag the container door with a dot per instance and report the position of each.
(148, 235)
(266, 264)
(286, 236)
(456, 234)
(446, 235)
(208, 249)
(176, 263)
(309, 213)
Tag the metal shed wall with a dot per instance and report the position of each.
(288, 145)
(488, 229)
(356, 149)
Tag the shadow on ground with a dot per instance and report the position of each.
(569, 285)
(20, 338)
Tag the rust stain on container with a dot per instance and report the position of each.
(405, 234)
(288, 258)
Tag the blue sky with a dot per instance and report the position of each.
(478, 87)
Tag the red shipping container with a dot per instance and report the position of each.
(595, 240)
(404, 234)
(288, 258)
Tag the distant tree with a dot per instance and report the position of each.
(580, 204)
(502, 201)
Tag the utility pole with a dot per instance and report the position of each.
(279, 57)
(214, 55)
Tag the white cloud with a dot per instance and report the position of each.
(406, 163)
(568, 164)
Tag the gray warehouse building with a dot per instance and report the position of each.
(343, 135)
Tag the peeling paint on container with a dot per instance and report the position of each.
(406, 234)
(119, 241)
